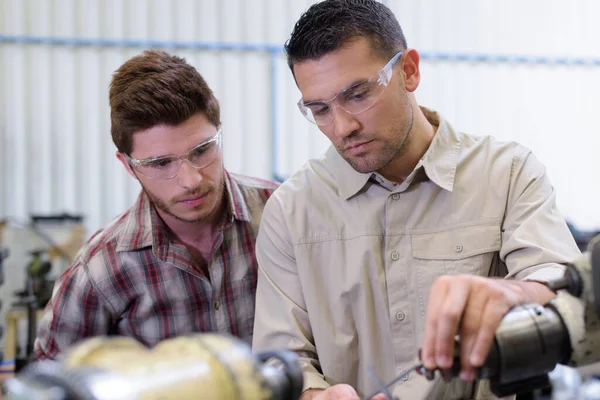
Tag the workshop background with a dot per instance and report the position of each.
(524, 70)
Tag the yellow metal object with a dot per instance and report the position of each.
(203, 366)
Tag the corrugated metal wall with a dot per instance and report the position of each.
(55, 149)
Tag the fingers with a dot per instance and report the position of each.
(340, 391)
(489, 302)
(471, 306)
(436, 299)
(492, 316)
(449, 318)
(474, 312)
(447, 301)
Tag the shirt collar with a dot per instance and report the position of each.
(441, 158)
(439, 161)
(143, 227)
(238, 208)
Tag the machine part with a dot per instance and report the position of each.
(529, 343)
(207, 366)
(590, 390)
(286, 383)
(580, 313)
(565, 383)
(46, 380)
(582, 277)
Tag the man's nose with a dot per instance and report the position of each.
(188, 176)
(344, 123)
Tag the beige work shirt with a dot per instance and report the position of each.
(346, 260)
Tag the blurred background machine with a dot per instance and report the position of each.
(40, 249)
(203, 366)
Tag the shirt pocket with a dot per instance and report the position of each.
(452, 251)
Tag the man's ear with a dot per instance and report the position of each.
(410, 69)
(126, 164)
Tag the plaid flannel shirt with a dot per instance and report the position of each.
(131, 279)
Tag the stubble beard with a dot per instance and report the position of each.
(165, 208)
(375, 162)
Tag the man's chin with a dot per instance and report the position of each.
(363, 165)
(188, 217)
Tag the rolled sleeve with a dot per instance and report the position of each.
(281, 320)
(536, 239)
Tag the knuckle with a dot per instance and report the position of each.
(451, 314)
(443, 280)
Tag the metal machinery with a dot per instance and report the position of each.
(203, 366)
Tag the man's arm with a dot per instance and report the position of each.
(535, 237)
(281, 319)
(535, 241)
(74, 312)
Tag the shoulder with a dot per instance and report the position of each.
(306, 191)
(491, 153)
(491, 145)
(252, 187)
(315, 177)
(100, 250)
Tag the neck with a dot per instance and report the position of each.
(418, 140)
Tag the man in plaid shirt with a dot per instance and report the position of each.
(181, 259)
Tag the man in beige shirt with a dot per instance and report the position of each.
(400, 213)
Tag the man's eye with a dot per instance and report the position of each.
(159, 164)
(358, 94)
(319, 110)
(200, 150)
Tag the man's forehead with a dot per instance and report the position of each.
(163, 140)
(323, 78)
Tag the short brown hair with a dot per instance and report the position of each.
(331, 24)
(156, 88)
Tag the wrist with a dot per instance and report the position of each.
(535, 291)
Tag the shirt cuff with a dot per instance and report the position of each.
(546, 274)
(314, 381)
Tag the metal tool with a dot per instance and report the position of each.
(384, 388)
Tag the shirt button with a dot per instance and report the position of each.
(395, 196)
(395, 256)
(405, 377)
(400, 316)
(217, 304)
(458, 247)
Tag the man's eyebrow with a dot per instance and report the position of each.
(204, 142)
(349, 87)
(151, 158)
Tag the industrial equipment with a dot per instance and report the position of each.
(202, 366)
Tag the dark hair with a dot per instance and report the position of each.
(156, 88)
(330, 24)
